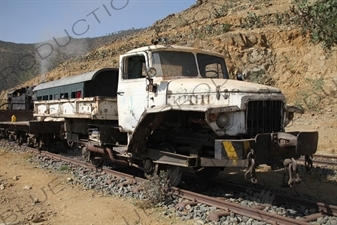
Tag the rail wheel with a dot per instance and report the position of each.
(70, 145)
(19, 138)
(174, 176)
(40, 144)
(167, 147)
(95, 159)
(2, 134)
(30, 141)
(152, 170)
(85, 154)
(206, 173)
(149, 168)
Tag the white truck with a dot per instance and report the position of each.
(173, 106)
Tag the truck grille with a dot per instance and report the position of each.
(264, 117)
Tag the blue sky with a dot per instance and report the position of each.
(35, 21)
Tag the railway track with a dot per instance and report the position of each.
(223, 206)
(321, 208)
(322, 160)
(253, 212)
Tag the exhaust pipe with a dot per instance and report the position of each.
(105, 151)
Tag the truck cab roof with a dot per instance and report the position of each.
(172, 48)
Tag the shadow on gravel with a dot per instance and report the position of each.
(320, 185)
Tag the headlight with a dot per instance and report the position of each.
(222, 120)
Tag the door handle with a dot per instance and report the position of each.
(121, 93)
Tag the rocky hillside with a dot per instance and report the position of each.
(22, 62)
(262, 39)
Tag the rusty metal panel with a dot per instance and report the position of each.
(54, 109)
(43, 127)
(232, 149)
(68, 108)
(96, 108)
(170, 158)
(262, 149)
(20, 126)
(40, 108)
(106, 110)
(208, 162)
(21, 115)
(272, 148)
(84, 107)
(307, 143)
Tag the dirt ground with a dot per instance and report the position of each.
(326, 125)
(30, 195)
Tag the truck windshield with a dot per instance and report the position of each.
(174, 64)
(183, 64)
(212, 66)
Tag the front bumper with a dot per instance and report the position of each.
(269, 148)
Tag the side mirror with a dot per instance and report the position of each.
(151, 72)
(290, 111)
(151, 87)
(294, 109)
(240, 76)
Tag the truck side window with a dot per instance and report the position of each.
(135, 67)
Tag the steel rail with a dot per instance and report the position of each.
(250, 212)
(84, 164)
(334, 157)
(322, 162)
(325, 208)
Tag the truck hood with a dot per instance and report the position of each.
(200, 86)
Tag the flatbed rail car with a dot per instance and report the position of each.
(77, 96)
(18, 124)
(176, 106)
(79, 100)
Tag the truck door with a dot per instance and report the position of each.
(131, 94)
